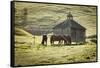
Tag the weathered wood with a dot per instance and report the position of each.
(71, 28)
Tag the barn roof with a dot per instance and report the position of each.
(69, 23)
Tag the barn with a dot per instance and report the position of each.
(70, 27)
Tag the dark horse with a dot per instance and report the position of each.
(44, 40)
(60, 38)
(67, 39)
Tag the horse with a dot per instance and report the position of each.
(44, 40)
(60, 38)
(67, 39)
(55, 38)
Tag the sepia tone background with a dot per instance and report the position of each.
(28, 47)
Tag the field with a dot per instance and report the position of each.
(28, 52)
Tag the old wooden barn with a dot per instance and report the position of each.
(71, 28)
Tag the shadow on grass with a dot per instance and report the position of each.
(59, 45)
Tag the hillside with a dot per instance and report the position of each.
(49, 15)
(21, 32)
(23, 38)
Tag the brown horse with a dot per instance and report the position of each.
(67, 39)
(44, 40)
(60, 38)
(55, 38)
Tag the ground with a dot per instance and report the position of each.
(30, 52)
(54, 54)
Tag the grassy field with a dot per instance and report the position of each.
(28, 52)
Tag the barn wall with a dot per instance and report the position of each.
(64, 31)
(81, 36)
(77, 35)
(73, 35)
(57, 31)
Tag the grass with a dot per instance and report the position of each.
(54, 55)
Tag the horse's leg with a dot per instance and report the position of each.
(70, 42)
(42, 42)
(65, 42)
(46, 42)
(59, 42)
(51, 41)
